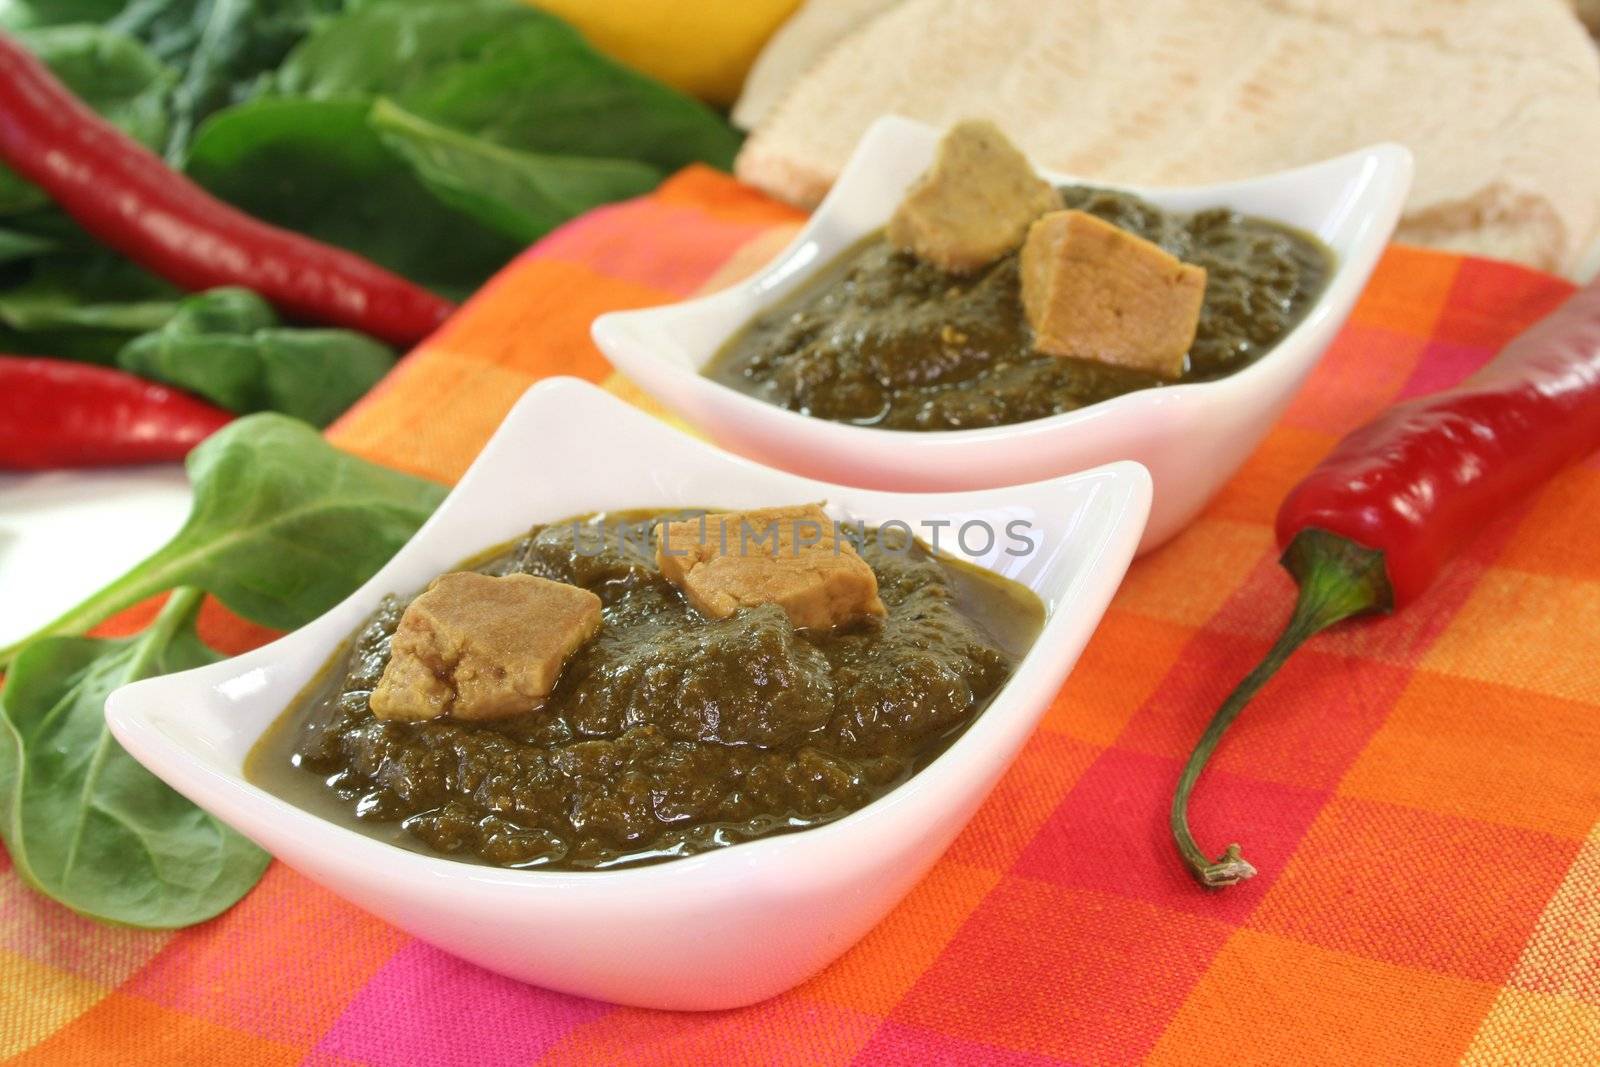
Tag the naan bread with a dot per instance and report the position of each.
(1499, 101)
(801, 41)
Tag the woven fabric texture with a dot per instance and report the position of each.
(1421, 793)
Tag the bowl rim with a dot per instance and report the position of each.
(1366, 247)
(133, 727)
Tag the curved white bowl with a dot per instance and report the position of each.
(716, 930)
(1191, 437)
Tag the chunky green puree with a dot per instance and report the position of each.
(667, 734)
(883, 339)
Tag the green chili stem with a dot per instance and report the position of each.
(1338, 579)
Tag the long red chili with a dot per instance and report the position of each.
(1370, 527)
(59, 414)
(127, 197)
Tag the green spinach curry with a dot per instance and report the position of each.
(667, 733)
(882, 338)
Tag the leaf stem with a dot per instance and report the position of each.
(125, 592)
(1338, 579)
(150, 644)
(175, 613)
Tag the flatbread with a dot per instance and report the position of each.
(807, 35)
(1499, 101)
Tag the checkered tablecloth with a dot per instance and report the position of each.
(1421, 793)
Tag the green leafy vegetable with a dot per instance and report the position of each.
(434, 137)
(520, 194)
(225, 310)
(44, 307)
(39, 321)
(228, 346)
(504, 72)
(28, 14)
(565, 100)
(226, 50)
(79, 302)
(316, 166)
(381, 49)
(86, 824)
(112, 74)
(56, 226)
(18, 245)
(283, 526)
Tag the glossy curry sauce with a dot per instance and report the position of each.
(880, 338)
(668, 734)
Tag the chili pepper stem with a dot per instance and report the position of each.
(1338, 579)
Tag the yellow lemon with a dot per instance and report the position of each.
(703, 47)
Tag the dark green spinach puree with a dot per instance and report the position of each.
(881, 338)
(667, 733)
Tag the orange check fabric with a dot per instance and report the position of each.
(1421, 793)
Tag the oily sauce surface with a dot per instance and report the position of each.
(880, 338)
(668, 734)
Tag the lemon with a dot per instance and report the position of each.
(703, 47)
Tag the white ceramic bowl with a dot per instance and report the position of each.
(715, 930)
(1191, 437)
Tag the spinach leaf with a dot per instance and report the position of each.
(47, 323)
(283, 527)
(316, 166)
(43, 306)
(111, 73)
(228, 346)
(226, 50)
(384, 48)
(75, 301)
(51, 224)
(520, 194)
(558, 96)
(85, 823)
(17, 245)
(27, 14)
(507, 73)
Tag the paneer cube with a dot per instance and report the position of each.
(1092, 290)
(478, 647)
(790, 556)
(974, 204)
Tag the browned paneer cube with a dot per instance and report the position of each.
(1092, 290)
(790, 556)
(473, 646)
(974, 204)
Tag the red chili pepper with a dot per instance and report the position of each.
(127, 197)
(1370, 527)
(59, 414)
